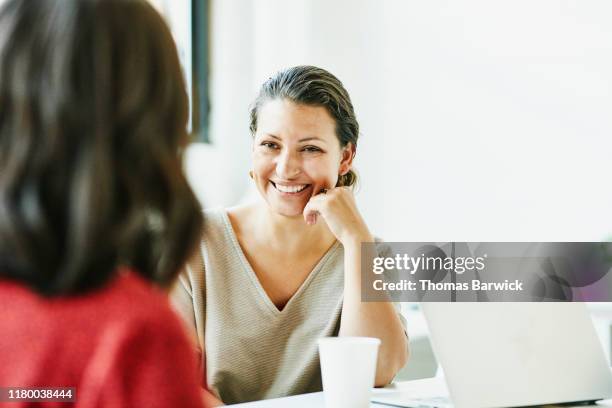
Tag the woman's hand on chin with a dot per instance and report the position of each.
(337, 206)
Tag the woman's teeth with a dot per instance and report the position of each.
(290, 189)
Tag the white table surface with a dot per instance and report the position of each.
(429, 387)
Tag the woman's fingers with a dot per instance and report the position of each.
(337, 206)
(336, 203)
(313, 208)
(315, 205)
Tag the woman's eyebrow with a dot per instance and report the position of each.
(307, 139)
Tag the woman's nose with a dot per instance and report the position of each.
(287, 166)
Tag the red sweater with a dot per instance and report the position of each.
(120, 346)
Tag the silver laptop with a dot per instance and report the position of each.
(513, 355)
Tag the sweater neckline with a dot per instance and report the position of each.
(250, 272)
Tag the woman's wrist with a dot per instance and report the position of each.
(355, 240)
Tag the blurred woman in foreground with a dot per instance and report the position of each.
(94, 208)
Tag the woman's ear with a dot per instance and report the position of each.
(346, 161)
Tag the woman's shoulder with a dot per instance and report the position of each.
(222, 226)
(214, 213)
(141, 329)
(242, 216)
(241, 213)
(382, 248)
(126, 300)
(131, 298)
(219, 216)
(142, 313)
(215, 222)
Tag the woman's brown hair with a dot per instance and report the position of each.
(93, 113)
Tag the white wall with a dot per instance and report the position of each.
(499, 116)
(480, 120)
(219, 172)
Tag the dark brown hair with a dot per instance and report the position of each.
(309, 85)
(92, 124)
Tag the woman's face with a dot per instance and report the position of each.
(296, 154)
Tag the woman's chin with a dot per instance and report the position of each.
(292, 211)
(292, 214)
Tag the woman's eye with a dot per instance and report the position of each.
(269, 145)
(312, 149)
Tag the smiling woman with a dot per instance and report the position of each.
(295, 255)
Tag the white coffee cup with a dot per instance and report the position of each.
(348, 370)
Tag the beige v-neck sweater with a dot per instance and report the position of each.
(253, 351)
